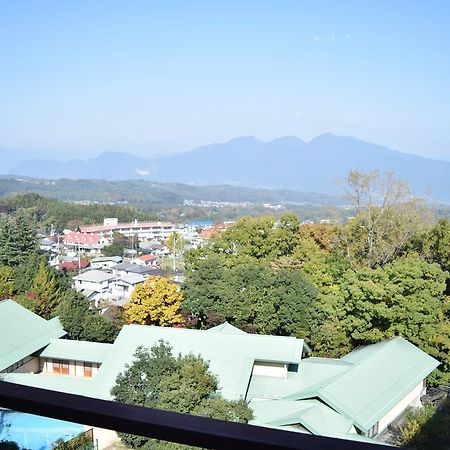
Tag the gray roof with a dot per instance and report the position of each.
(46, 241)
(116, 259)
(132, 279)
(23, 333)
(133, 268)
(95, 276)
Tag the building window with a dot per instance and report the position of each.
(60, 366)
(88, 370)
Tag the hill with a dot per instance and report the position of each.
(285, 163)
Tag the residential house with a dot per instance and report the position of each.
(130, 268)
(122, 287)
(46, 244)
(85, 243)
(105, 262)
(146, 260)
(95, 284)
(73, 265)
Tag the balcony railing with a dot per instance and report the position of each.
(164, 425)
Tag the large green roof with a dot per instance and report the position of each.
(77, 350)
(230, 356)
(23, 333)
(375, 384)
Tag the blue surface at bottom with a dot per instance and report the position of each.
(35, 432)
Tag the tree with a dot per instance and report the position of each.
(252, 295)
(387, 216)
(175, 241)
(7, 282)
(113, 250)
(157, 379)
(201, 289)
(83, 323)
(45, 291)
(286, 236)
(17, 241)
(119, 244)
(156, 301)
(404, 298)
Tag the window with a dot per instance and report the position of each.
(88, 370)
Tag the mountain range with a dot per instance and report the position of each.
(284, 163)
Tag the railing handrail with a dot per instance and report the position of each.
(164, 425)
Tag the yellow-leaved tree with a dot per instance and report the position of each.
(156, 301)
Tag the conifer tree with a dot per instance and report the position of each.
(45, 291)
(17, 240)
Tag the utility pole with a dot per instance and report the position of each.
(79, 261)
(174, 253)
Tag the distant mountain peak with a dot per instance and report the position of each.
(244, 140)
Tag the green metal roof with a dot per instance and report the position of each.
(69, 384)
(311, 375)
(312, 414)
(23, 333)
(230, 356)
(374, 385)
(77, 350)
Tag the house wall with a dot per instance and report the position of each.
(99, 287)
(270, 369)
(411, 399)
(76, 368)
(30, 366)
(26, 365)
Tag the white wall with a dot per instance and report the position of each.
(104, 438)
(411, 399)
(270, 369)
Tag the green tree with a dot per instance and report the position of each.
(156, 301)
(252, 295)
(7, 282)
(286, 236)
(175, 241)
(17, 240)
(387, 217)
(202, 289)
(404, 298)
(83, 323)
(45, 290)
(113, 250)
(157, 379)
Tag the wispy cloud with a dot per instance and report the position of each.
(333, 37)
(316, 38)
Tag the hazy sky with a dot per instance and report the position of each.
(156, 76)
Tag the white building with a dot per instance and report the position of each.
(141, 231)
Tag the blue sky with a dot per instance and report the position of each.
(160, 76)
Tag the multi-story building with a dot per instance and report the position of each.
(141, 231)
